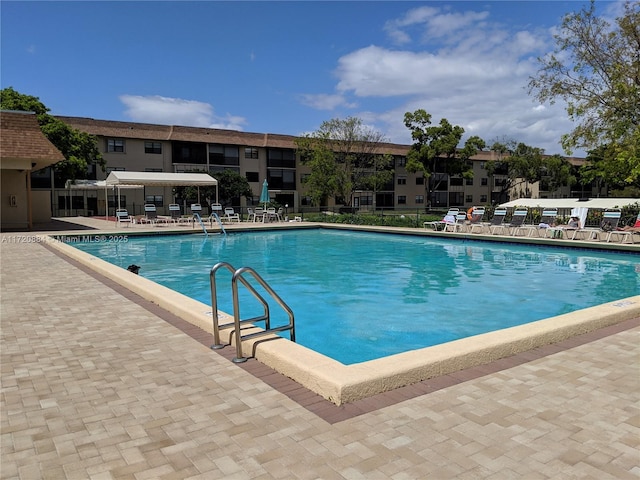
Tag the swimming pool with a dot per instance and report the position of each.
(358, 296)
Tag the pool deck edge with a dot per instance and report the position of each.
(342, 384)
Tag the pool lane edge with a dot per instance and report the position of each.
(341, 383)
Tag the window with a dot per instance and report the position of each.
(252, 176)
(153, 169)
(419, 199)
(281, 157)
(152, 147)
(283, 179)
(402, 180)
(250, 152)
(500, 182)
(483, 165)
(189, 152)
(157, 200)
(402, 199)
(77, 202)
(456, 181)
(223, 155)
(469, 181)
(115, 145)
(419, 180)
(456, 198)
(401, 161)
(468, 199)
(483, 199)
(484, 181)
(306, 201)
(113, 201)
(366, 200)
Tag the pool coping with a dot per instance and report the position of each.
(343, 384)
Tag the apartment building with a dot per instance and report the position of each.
(259, 156)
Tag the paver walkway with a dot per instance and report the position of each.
(96, 387)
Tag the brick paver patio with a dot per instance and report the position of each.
(96, 386)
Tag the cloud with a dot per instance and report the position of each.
(431, 23)
(177, 111)
(461, 67)
(324, 101)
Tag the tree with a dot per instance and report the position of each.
(344, 156)
(79, 149)
(525, 164)
(435, 148)
(595, 69)
(231, 185)
(617, 171)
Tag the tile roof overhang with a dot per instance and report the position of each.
(23, 146)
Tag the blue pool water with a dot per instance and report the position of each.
(357, 296)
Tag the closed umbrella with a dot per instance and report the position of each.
(264, 196)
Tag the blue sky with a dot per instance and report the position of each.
(285, 67)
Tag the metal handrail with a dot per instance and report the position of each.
(237, 276)
(214, 303)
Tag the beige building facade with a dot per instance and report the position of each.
(259, 156)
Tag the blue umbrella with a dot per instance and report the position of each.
(264, 196)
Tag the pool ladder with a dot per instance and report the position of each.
(238, 276)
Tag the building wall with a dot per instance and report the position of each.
(41, 202)
(14, 202)
(409, 190)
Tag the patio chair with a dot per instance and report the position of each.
(517, 220)
(497, 221)
(259, 214)
(476, 219)
(547, 220)
(217, 208)
(230, 215)
(450, 217)
(175, 215)
(196, 211)
(272, 215)
(122, 216)
(581, 214)
(628, 232)
(609, 223)
(459, 225)
(251, 215)
(150, 214)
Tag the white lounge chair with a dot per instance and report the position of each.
(623, 235)
(449, 218)
(459, 225)
(175, 215)
(150, 214)
(475, 216)
(230, 215)
(547, 220)
(258, 214)
(122, 216)
(517, 220)
(497, 221)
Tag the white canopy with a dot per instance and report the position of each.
(160, 179)
(92, 185)
(597, 203)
